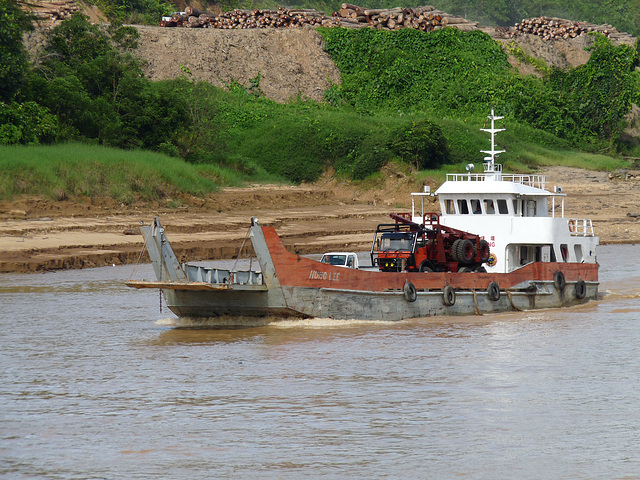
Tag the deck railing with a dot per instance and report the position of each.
(580, 227)
(218, 275)
(537, 181)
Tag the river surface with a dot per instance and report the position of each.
(95, 383)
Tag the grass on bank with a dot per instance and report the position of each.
(322, 140)
(70, 170)
(300, 141)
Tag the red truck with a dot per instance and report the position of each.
(427, 247)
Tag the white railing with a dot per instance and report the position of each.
(217, 275)
(580, 227)
(537, 181)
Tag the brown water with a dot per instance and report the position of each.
(94, 384)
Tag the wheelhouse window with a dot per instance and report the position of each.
(489, 207)
(475, 206)
(463, 208)
(503, 208)
(448, 207)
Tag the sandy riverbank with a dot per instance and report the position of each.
(40, 235)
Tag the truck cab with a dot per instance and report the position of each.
(341, 259)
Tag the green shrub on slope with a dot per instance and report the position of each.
(410, 70)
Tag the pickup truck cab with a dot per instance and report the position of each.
(341, 259)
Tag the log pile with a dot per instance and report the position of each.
(280, 18)
(51, 12)
(552, 28)
(424, 18)
(633, 175)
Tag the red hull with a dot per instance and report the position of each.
(296, 271)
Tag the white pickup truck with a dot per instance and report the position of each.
(341, 259)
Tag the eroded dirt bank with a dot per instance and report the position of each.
(289, 61)
(39, 235)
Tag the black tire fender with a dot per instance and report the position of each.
(559, 280)
(449, 296)
(410, 293)
(581, 289)
(493, 290)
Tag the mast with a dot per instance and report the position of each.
(490, 166)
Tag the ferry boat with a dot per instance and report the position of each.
(538, 259)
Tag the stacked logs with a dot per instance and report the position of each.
(424, 18)
(552, 28)
(51, 11)
(280, 18)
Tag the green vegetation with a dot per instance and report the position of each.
(599, 94)
(301, 140)
(67, 170)
(623, 14)
(142, 12)
(452, 73)
(407, 97)
(539, 64)
(13, 56)
(444, 71)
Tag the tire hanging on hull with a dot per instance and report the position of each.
(410, 293)
(493, 291)
(449, 296)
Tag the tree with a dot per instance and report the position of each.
(13, 56)
(96, 88)
(421, 143)
(601, 91)
(76, 41)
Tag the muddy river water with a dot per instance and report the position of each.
(95, 383)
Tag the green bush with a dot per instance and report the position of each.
(599, 94)
(146, 12)
(300, 141)
(98, 93)
(413, 71)
(27, 124)
(422, 144)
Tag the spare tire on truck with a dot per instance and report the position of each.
(465, 251)
(483, 248)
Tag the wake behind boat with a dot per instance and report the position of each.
(520, 256)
